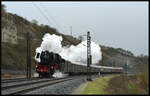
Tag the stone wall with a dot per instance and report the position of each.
(9, 32)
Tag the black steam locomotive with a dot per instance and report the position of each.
(49, 62)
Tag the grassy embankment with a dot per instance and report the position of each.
(98, 86)
(131, 84)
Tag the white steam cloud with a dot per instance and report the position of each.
(59, 74)
(52, 43)
(75, 54)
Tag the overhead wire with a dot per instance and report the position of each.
(48, 19)
(42, 13)
(52, 19)
(50, 15)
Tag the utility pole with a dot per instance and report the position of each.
(28, 57)
(27, 72)
(71, 30)
(102, 60)
(126, 67)
(89, 57)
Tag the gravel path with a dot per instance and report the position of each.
(80, 89)
(61, 88)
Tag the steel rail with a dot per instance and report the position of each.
(16, 80)
(22, 88)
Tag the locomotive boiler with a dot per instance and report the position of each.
(49, 62)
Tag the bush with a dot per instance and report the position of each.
(144, 76)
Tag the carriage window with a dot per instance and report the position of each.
(38, 54)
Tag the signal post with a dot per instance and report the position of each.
(89, 57)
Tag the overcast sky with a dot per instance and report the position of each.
(115, 24)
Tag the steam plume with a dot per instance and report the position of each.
(75, 54)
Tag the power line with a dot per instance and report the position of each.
(41, 12)
(47, 17)
(53, 19)
(71, 30)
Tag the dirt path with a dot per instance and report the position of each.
(80, 89)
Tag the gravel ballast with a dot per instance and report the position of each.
(61, 88)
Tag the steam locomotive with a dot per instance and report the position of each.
(49, 62)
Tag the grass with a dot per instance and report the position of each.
(119, 84)
(14, 56)
(7, 76)
(133, 84)
(145, 78)
(133, 87)
(98, 86)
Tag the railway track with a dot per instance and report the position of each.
(16, 80)
(29, 85)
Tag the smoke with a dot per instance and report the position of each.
(35, 74)
(52, 43)
(38, 50)
(78, 54)
(59, 74)
(75, 54)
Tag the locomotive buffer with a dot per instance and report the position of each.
(89, 57)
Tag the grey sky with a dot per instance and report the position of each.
(116, 24)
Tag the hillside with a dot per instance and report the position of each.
(14, 29)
